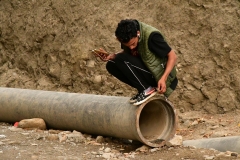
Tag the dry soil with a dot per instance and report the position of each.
(45, 45)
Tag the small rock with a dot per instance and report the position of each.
(115, 151)
(154, 150)
(194, 123)
(89, 139)
(222, 154)
(132, 155)
(1, 143)
(217, 134)
(25, 134)
(202, 132)
(74, 144)
(187, 123)
(32, 123)
(34, 144)
(2, 136)
(13, 142)
(76, 137)
(192, 147)
(94, 153)
(76, 132)
(224, 124)
(119, 91)
(5, 140)
(126, 154)
(182, 110)
(214, 127)
(14, 129)
(62, 137)
(107, 150)
(101, 149)
(97, 79)
(96, 144)
(87, 136)
(40, 137)
(107, 155)
(170, 148)
(144, 148)
(100, 139)
(90, 63)
(65, 132)
(52, 137)
(206, 157)
(34, 157)
(175, 141)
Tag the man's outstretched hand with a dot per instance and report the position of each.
(103, 55)
(109, 56)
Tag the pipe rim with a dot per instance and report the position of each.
(171, 118)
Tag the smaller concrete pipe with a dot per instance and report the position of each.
(151, 123)
(222, 144)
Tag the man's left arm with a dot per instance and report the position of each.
(172, 58)
(159, 46)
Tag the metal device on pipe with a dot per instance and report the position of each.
(152, 123)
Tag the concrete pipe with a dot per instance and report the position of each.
(151, 123)
(222, 144)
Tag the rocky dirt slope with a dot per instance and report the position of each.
(45, 45)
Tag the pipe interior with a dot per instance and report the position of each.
(156, 120)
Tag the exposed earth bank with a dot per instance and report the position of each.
(45, 45)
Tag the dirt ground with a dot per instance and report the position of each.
(44, 45)
(17, 143)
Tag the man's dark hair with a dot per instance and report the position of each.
(126, 30)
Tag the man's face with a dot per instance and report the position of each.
(132, 43)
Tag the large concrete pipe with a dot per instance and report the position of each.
(223, 144)
(151, 123)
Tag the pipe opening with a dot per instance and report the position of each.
(157, 121)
